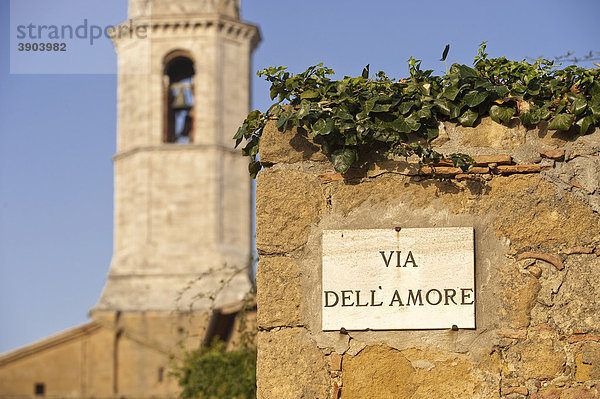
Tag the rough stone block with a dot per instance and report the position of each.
(382, 372)
(290, 366)
(279, 292)
(539, 357)
(287, 203)
(587, 362)
(530, 214)
(518, 294)
(290, 146)
(494, 135)
(578, 300)
(378, 372)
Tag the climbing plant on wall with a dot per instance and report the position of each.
(354, 114)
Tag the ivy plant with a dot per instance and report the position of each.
(353, 115)
(211, 372)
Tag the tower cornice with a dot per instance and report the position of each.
(166, 26)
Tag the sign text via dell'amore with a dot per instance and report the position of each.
(409, 278)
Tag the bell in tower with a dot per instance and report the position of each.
(180, 73)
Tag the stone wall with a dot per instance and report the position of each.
(533, 201)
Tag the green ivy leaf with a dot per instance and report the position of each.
(578, 106)
(450, 92)
(584, 124)
(530, 118)
(323, 127)
(443, 106)
(474, 98)
(501, 114)
(400, 125)
(254, 167)
(432, 133)
(413, 122)
(309, 94)
(445, 53)
(533, 87)
(303, 110)
(274, 91)
(405, 107)
(344, 158)
(466, 72)
(501, 91)
(595, 90)
(468, 118)
(454, 110)
(365, 72)
(282, 122)
(562, 122)
(239, 135)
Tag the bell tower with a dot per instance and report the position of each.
(182, 210)
(182, 196)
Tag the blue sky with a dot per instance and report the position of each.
(57, 131)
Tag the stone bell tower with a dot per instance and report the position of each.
(182, 193)
(182, 238)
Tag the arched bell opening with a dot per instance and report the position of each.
(179, 98)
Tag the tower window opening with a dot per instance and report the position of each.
(220, 326)
(179, 71)
(39, 389)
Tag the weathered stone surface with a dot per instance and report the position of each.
(378, 372)
(290, 366)
(382, 372)
(545, 257)
(587, 362)
(335, 362)
(499, 159)
(553, 154)
(520, 390)
(532, 318)
(578, 250)
(329, 176)
(441, 170)
(583, 337)
(539, 357)
(279, 292)
(518, 292)
(292, 145)
(580, 393)
(494, 135)
(530, 215)
(581, 175)
(510, 169)
(514, 334)
(410, 167)
(551, 280)
(547, 393)
(290, 201)
(348, 197)
(577, 303)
